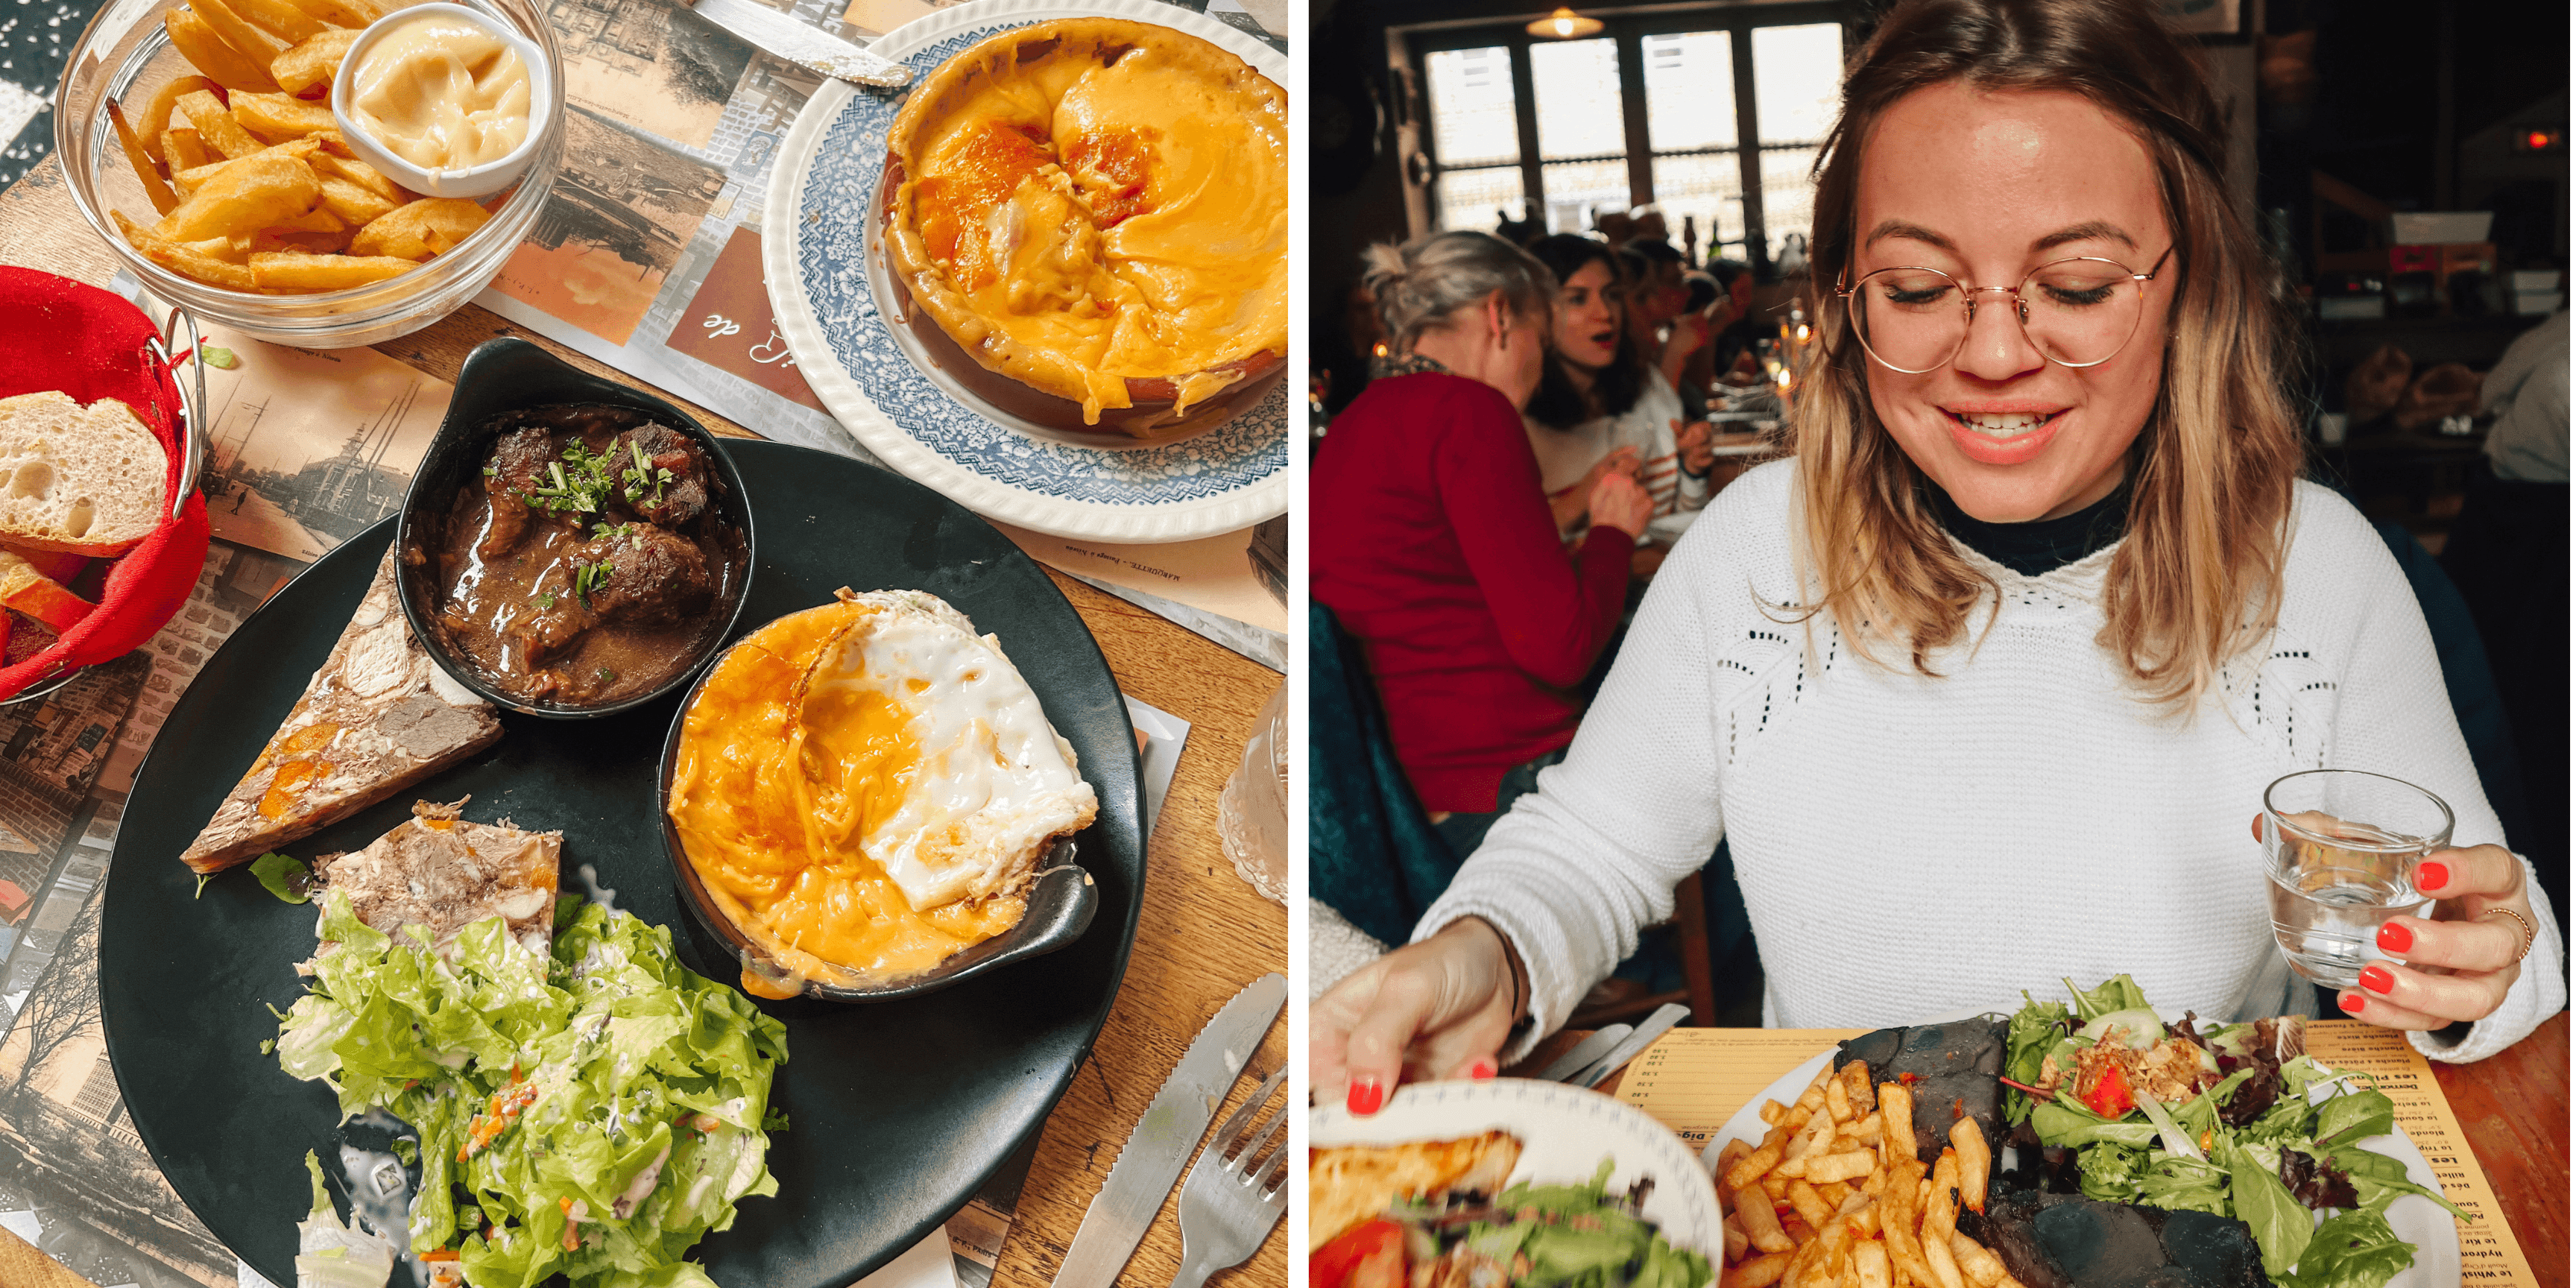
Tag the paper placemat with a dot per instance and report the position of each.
(1693, 1080)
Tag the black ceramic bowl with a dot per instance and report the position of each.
(1061, 901)
(508, 375)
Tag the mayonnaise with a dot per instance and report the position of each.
(443, 93)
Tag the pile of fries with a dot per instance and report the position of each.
(1859, 1209)
(255, 186)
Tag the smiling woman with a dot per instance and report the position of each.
(1981, 686)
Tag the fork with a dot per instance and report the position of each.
(1235, 1192)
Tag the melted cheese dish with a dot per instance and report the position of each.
(1091, 201)
(864, 789)
(443, 93)
(1349, 1184)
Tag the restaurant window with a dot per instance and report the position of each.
(1653, 110)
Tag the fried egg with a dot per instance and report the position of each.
(927, 752)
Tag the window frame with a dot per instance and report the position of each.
(1417, 42)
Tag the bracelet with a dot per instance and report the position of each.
(2529, 934)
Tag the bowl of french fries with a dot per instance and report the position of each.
(1862, 1207)
(198, 139)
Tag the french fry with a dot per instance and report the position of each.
(1812, 1207)
(1870, 1130)
(215, 124)
(1976, 1162)
(186, 150)
(282, 20)
(182, 259)
(273, 241)
(1839, 1167)
(1800, 1233)
(1736, 1240)
(1856, 1085)
(420, 229)
(1838, 1101)
(354, 205)
(1869, 1266)
(1777, 1186)
(242, 198)
(1761, 1223)
(246, 39)
(292, 150)
(1983, 1268)
(1941, 1215)
(1944, 1269)
(300, 272)
(200, 44)
(156, 110)
(312, 62)
(353, 14)
(1896, 1106)
(280, 116)
(1750, 1168)
(1760, 1272)
(1772, 1112)
(1727, 1157)
(154, 186)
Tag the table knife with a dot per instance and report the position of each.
(1655, 1026)
(1585, 1054)
(800, 42)
(1151, 1159)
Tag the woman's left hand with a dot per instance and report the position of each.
(2459, 963)
(1696, 445)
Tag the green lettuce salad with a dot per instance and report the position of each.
(592, 1114)
(2246, 1143)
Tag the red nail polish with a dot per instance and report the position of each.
(2378, 980)
(1482, 1070)
(2430, 877)
(2350, 1002)
(1366, 1096)
(2394, 937)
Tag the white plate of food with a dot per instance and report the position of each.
(1482, 1137)
(2415, 1219)
(925, 413)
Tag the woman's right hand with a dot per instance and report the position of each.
(1437, 1009)
(1617, 502)
(1569, 506)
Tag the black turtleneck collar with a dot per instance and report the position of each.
(2041, 545)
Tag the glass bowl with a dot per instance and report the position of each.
(126, 50)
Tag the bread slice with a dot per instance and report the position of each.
(88, 480)
(378, 717)
(440, 872)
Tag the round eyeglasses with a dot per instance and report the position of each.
(2078, 312)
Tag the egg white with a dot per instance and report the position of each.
(995, 785)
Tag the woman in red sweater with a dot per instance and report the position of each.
(1432, 541)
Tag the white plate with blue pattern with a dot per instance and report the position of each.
(816, 249)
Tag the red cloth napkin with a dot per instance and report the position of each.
(90, 344)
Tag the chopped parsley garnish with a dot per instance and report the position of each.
(581, 488)
(644, 475)
(588, 578)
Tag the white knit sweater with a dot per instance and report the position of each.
(1911, 846)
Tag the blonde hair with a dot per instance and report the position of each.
(1419, 284)
(2198, 578)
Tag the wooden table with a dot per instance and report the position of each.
(2512, 1107)
(1203, 933)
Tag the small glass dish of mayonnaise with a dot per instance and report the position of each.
(445, 100)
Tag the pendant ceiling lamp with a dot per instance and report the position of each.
(1564, 24)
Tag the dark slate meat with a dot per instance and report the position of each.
(1956, 1065)
(518, 465)
(2064, 1241)
(675, 504)
(655, 579)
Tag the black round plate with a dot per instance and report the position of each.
(897, 1111)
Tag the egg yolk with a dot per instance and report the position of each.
(771, 814)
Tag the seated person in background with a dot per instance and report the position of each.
(1431, 539)
(1732, 356)
(1598, 409)
(1657, 318)
(2385, 392)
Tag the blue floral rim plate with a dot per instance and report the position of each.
(816, 252)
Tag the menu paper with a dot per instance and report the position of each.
(1693, 1080)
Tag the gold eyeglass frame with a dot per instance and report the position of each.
(2021, 308)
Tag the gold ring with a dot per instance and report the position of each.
(2528, 934)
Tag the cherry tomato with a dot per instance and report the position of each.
(1365, 1256)
(2109, 1095)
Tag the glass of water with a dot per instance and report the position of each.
(2341, 847)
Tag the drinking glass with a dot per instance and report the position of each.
(1252, 810)
(2341, 847)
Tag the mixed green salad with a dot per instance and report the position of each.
(2169, 1116)
(590, 1114)
(1528, 1236)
